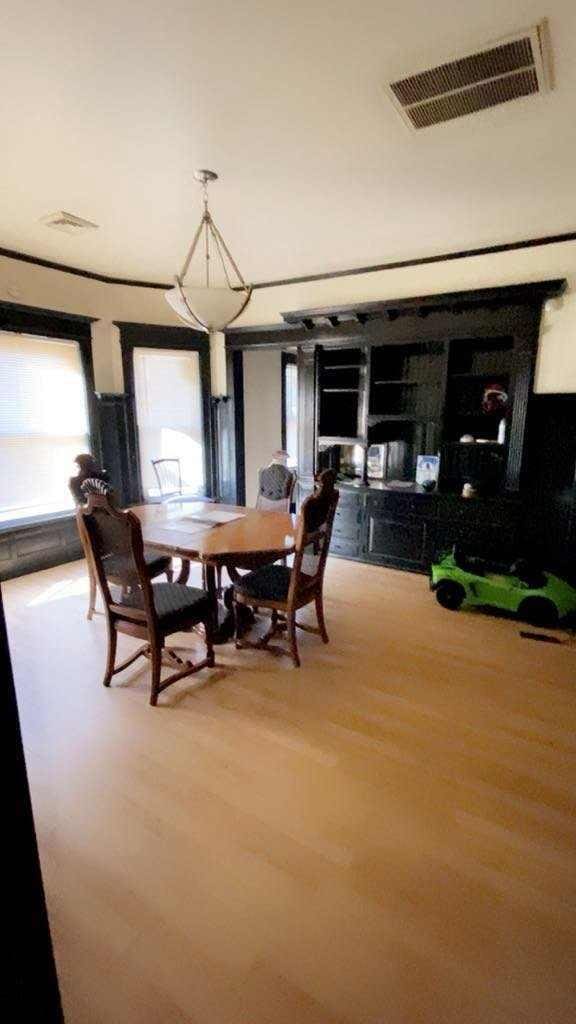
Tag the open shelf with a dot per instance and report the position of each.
(340, 382)
(341, 366)
(340, 391)
(326, 441)
(392, 417)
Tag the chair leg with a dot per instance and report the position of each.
(237, 630)
(184, 571)
(291, 635)
(156, 665)
(321, 620)
(92, 597)
(209, 630)
(170, 574)
(111, 658)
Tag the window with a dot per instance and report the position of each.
(290, 411)
(169, 414)
(43, 423)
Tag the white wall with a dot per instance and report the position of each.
(262, 413)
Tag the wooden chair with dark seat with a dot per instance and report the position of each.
(283, 589)
(132, 604)
(275, 492)
(156, 564)
(275, 488)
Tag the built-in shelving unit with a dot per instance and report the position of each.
(417, 398)
(410, 376)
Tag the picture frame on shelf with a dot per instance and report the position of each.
(427, 470)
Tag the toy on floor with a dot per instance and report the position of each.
(537, 597)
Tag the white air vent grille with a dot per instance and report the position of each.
(68, 222)
(513, 68)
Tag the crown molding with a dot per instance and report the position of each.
(421, 261)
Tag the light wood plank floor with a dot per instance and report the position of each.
(386, 836)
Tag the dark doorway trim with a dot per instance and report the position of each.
(237, 365)
(288, 358)
(133, 335)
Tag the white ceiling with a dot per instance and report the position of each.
(106, 108)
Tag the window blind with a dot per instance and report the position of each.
(43, 423)
(168, 394)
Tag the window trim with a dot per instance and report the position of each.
(49, 323)
(133, 335)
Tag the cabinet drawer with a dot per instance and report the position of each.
(347, 516)
(345, 547)
(347, 532)
(389, 503)
(349, 499)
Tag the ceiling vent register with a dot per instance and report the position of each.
(68, 222)
(514, 67)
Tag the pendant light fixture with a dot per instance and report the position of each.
(209, 306)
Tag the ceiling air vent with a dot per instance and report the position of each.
(68, 222)
(514, 67)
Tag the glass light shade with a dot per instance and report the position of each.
(210, 308)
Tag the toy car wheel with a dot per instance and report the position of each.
(538, 611)
(450, 594)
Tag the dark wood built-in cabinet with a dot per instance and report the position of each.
(411, 376)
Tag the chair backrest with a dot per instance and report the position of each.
(95, 485)
(169, 476)
(88, 469)
(275, 488)
(114, 540)
(313, 535)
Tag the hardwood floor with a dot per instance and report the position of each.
(384, 836)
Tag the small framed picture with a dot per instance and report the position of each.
(375, 462)
(427, 469)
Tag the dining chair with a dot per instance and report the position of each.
(132, 604)
(275, 488)
(275, 491)
(156, 564)
(168, 474)
(283, 589)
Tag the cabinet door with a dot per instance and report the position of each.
(396, 541)
(347, 530)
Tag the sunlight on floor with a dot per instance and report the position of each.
(59, 591)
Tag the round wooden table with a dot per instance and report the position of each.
(255, 538)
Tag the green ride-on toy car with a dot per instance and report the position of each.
(535, 596)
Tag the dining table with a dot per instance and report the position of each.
(194, 531)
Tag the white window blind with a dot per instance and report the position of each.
(43, 423)
(169, 413)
